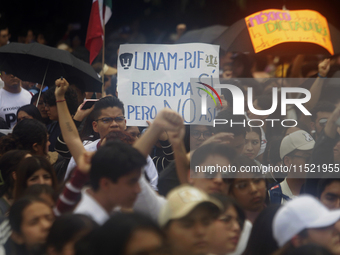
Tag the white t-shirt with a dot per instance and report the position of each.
(90, 207)
(242, 244)
(149, 168)
(286, 191)
(10, 103)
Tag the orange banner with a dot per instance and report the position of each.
(271, 27)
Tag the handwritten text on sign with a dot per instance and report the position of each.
(151, 77)
(271, 27)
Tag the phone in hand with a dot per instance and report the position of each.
(88, 103)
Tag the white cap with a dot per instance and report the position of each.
(298, 140)
(301, 213)
(182, 200)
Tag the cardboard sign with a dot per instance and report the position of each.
(271, 27)
(151, 77)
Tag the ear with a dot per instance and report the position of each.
(105, 183)
(14, 175)
(35, 147)
(51, 251)
(298, 241)
(286, 161)
(190, 180)
(95, 126)
(312, 125)
(17, 238)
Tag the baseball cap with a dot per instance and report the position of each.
(108, 70)
(183, 200)
(301, 213)
(298, 140)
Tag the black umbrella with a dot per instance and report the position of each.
(236, 39)
(204, 35)
(43, 64)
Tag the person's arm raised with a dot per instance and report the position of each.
(67, 126)
(166, 120)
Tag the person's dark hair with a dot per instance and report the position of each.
(308, 249)
(120, 228)
(35, 98)
(3, 25)
(113, 160)
(311, 66)
(24, 135)
(321, 106)
(31, 110)
(211, 149)
(118, 135)
(104, 103)
(69, 227)
(261, 240)
(70, 96)
(87, 132)
(257, 130)
(8, 164)
(27, 168)
(324, 182)
(274, 151)
(236, 129)
(246, 62)
(330, 93)
(227, 202)
(38, 189)
(16, 211)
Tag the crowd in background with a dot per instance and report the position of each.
(80, 181)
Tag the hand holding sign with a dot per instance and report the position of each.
(324, 67)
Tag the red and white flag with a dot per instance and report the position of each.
(100, 11)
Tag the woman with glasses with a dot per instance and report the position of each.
(227, 227)
(249, 189)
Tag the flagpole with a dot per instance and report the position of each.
(103, 55)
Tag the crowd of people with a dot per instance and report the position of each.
(80, 181)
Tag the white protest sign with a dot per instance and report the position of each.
(152, 76)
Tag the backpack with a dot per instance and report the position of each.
(276, 195)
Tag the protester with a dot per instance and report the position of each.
(228, 227)
(51, 108)
(188, 220)
(30, 219)
(295, 152)
(261, 240)
(66, 231)
(304, 220)
(33, 170)
(12, 97)
(329, 192)
(28, 134)
(28, 112)
(132, 234)
(8, 166)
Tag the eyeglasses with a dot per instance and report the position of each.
(244, 185)
(323, 122)
(107, 120)
(228, 221)
(197, 134)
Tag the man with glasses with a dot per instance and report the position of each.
(320, 114)
(12, 97)
(295, 151)
(108, 115)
